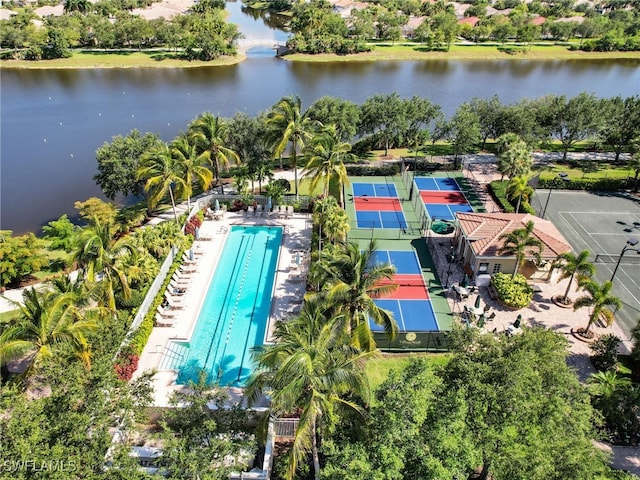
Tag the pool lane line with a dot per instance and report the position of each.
(223, 307)
(231, 320)
(255, 300)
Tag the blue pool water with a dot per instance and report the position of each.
(234, 313)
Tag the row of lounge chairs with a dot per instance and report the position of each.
(174, 296)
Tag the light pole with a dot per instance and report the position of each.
(631, 243)
(561, 175)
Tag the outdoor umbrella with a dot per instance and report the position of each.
(217, 205)
(268, 204)
(477, 304)
(464, 281)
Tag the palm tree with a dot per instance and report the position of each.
(287, 124)
(520, 189)
(351, 282)
(98, 253)
(162, 174)
(261, 172)
(606, 384)
(310, 369)
(519, 243)
(48, 322)
(210, 134)
(570, 265)
(325, 160)
(194, 166)
(600, 300)
(514, 156)
(634, 164)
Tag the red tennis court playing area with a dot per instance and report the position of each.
(410, 287)
(378, 204)
(445, 197)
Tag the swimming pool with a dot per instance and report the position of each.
(234, 313)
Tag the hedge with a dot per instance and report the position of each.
(498, 191)
(514, 293)
(389, 170)
(599, 184)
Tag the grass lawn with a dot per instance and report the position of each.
(120, 59)
(378, 368)
(586, 169)
(406, 51)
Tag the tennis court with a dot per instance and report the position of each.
(442, 197)
(377, 206)
(602, 223)
(410, 303)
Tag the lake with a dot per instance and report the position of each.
(52, 121)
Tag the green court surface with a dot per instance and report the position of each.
(602, 223)
(410, 238)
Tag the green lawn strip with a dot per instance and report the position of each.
(464, 52)
(121, 59)
(586, 169)
(378, 369)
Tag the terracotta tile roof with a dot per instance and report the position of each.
(538, 20)
(469, 21)
(483, 231)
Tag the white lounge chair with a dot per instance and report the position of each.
(250, 210)
(289, 210)
(259, 210)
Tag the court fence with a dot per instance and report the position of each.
(434, 341)
(625, 260)
(413, 230)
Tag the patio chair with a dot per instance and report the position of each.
(259, 210)
(250, 210)
(289, 210)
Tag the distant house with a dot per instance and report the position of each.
(478, 240)
(576, 19)
(344, 7)
(473, 21)
(539, 20)
(410, 27)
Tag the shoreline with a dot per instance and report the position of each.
(154, 59)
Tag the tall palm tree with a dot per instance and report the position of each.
(325, 155)
(514, 156)
(210, 134)
(287, 124)
(312, 369)
(520, 189)
(571, 265)
(351, 282)
(48, 322)
(162, 174)
(99, 254)
(600, 300)
(194, 167)
(519, 243)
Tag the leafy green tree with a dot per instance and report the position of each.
(350, 282)
(383, 116)
(47, 321)
(81, 6)
(489, 112)
(100, 256)
(325, 156)
(389, 25)
(422, 116)
(118, 163)
(519, 243)
(463, 131)
(600, 300)
(162, 175)
(573, 120)
(61, 233)
(210, 133)
(57, 45)
(332, 221)
(246, 136)
(97, 209)
(312, 371)
(19, 257)
(445, 26)
(288, 124)
(204, 442)
(518, 188)
(344, 114)
(571, 265)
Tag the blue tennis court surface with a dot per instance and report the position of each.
(437, 184)
(412, 315)
(374, 190)
(442, 210)
(380, 219)
(404, 261)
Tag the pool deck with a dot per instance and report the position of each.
(288, 293)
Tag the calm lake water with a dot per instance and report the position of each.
(52, 121)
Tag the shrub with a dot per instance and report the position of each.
(126, 365)
(605, 352)
(373, 171)
(513, 293)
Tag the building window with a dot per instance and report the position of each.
(497, 267)
(483, 268)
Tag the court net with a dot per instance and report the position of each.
(625, 260)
